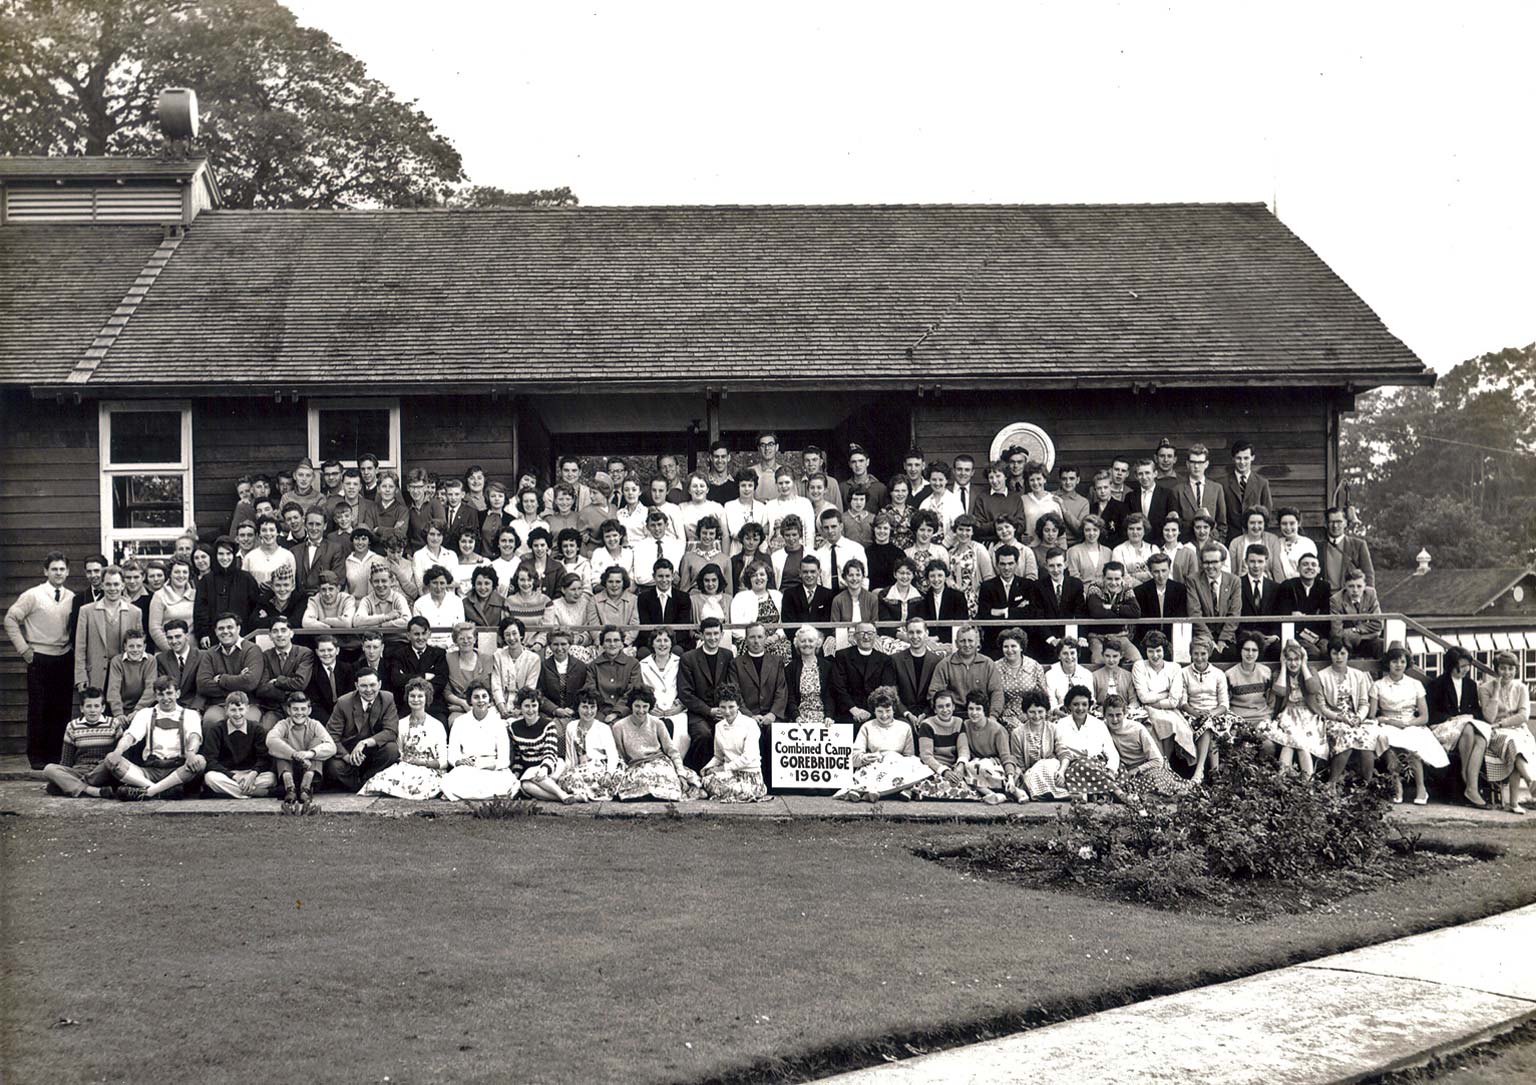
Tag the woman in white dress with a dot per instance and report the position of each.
(1403, 711)
(613, 552)
(423, 745)
(1063, 675)
(480, 751)
(659, 673)
(1159, 686)
(1036, 501)
(1511, 755)
(1348, 702)
(1297, 699)
(528, 517)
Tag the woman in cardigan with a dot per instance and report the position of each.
(1348, 702)
(175, 599)
(1454, 716)
(536, 760)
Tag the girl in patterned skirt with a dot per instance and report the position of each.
(1092, 769)
(1511, 756)
(943, 747)
(1142, 766)
(423, 751)
(992, 770)
(1206, 706)
(884, 753)
(735, 773)
(1298, 725)
(1347, 704)
(592, 771)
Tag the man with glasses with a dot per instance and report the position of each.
(1197, 494)
(1214, 594)
(767, 465)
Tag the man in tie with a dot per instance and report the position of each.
(416, 659)
(1057, 595)
(1197, 494)
(180, 660)
(1352, 607)
(363, 725)
(1215, 594)
(837, 552)
(700, 674)
(329, 678)
(806, 602)
(1005, 597)
(663, 604)
(38, 624)
(1343, 551)
(286, 668)
(1161, 597)
(1152, 500)
(1261, 597)
(1244, 488)
(965, 486)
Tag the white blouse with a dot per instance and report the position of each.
(661, 681)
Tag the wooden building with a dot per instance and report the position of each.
(155, 346)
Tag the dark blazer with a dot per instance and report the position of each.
(184, 677)
(792, 683)
(856, 676)
(279, 680)
(1440, 698)
(307, 575)
(698, 692)
(1296, 599)
(678, 614)
(817, 610)
(322, 694)
(1239, 501)
(1113, 512)
(1070, 604)
(1266, 602)
(349, 725)
(464, 518)
(1175, 605)
(950, 608)
(553, 693)
(1162, 505)
(765, 692)
(401, 664)
(913, 675)
(1016, 602)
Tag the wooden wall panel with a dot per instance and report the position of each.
(49, 484)
(1289, 431)
(234, 436)
(446, 435)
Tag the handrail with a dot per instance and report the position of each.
(1429, 634)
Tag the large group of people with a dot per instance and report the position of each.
(648, 633)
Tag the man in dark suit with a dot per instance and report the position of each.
(416, 659)
(363, 725)
(759, 674)
(561, 677)
(964, 484)
(700, 674)
(1243, 488)
(914, 671)
(808, 603)
(316, 553)
(1214, 594)
(1160, 597)
(1197, 494)
(1103, 504)
(1261, 597)
(1006, 597)
(857, 672)
(1309, 594)
(287, 668)
(329, 678)
(180, 662)
(1148, 498)
(942, 605)
(1057, 595)
(663, 604)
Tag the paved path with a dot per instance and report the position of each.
(1331, 1021)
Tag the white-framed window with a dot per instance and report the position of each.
(344, 429)
(146, 476)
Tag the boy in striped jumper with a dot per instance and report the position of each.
(81, 768)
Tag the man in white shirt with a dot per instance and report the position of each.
(158, 753)
(788, 502)
(965, 488)
(659, 500)
(657, 544)
(837, 552)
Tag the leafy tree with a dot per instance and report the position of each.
(491, 196)
(289, 119)
(1451, 468)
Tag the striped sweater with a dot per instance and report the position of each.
(87, 744)
(534, 745)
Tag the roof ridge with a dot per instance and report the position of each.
(796, 207)
(86, 367)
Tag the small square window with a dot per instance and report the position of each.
(348, 434)
(146, 437)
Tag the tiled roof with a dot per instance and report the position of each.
(70, 167)
(1445, 591)
(58, 287)
(956, 295)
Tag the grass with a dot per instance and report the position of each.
(545, 949)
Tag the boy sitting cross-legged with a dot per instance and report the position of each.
(298, 745)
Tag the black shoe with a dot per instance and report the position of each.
(133, 794)
(107, 792)
(307, 804)
(290, 801)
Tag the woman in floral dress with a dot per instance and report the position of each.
(884, 753)
(1347, 704)
(969, 564)
(653, 769)
(1403, 711)
(1511, 756)
(943, 747)
(1207, 706)
(1298, 725)
(423, 746)
(899, 513)
(926, 548)
(592, 767)
(757, 602)
(1018, 674)
(809, 677)
(735, 772)
(1159, 686)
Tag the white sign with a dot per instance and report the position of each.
(811, 757)
(1034, 440)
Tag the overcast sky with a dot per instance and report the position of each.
(1396, 139)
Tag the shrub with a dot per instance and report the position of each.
(504, 806)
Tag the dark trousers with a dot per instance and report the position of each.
(347, 777)
(50, 700)
(701, 742)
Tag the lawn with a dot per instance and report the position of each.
(544, 949)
